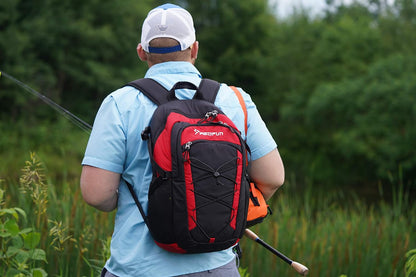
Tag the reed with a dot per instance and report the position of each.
(71, 233)
(333, 239)
(333, 233)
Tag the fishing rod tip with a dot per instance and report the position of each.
(300, 268)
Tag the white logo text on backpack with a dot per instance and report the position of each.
(210, 134)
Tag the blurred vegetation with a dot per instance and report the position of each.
(337, 90)
(47, 230)
(45, 227)
(334, 234)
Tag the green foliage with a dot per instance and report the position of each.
(335, 90)
(60, 145)
(243, 272)
(346, 74)
(235, 38)
(366, 123)
(74, 51)
(333, 234)
(19, 246)
(32, 182)
(411, 263)
(65, 234)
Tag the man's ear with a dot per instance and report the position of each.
(194, 51)
(141, 53)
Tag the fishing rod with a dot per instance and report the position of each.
(300, 268)
(67, 114)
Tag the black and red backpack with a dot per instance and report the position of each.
(199, 193)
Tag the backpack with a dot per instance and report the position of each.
(199, 193)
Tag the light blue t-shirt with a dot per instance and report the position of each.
(115, 144)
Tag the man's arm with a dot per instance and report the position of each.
(99, 187)
(268, 173)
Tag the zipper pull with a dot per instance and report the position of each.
(213, 114)
(209, 116)
(186, 148)
(188, 145)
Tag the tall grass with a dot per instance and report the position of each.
(333, 238)
(331, 232)
(46, 186)
(73, 235)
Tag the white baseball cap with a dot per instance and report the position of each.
(168, 21)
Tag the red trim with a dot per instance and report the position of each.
(211, 133)
(190, 195)
(173, 247)
(211, 240)
(237, 188)
(162, 151)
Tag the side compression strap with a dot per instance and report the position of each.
(137, 202)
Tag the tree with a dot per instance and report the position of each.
(366, 125)
(235, 38)
(75, 52)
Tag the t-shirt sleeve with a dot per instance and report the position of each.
(259, 138)
(106, 148)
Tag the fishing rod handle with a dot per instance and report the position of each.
(251, 235)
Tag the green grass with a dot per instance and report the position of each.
(331, 232)
(72, 233)
(331, 238)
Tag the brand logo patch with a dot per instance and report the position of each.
(162, 28)
(210, 134)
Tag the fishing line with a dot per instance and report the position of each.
(67, 114)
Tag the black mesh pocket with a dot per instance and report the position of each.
(214, 182)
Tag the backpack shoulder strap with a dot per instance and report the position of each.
(152, 89)
(208, 90)
(243, 106)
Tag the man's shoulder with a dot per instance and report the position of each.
(227, 96)
(123, 91)
(127, 98)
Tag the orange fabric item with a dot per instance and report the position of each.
(257, 208)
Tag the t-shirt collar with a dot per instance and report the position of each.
(172, 68)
